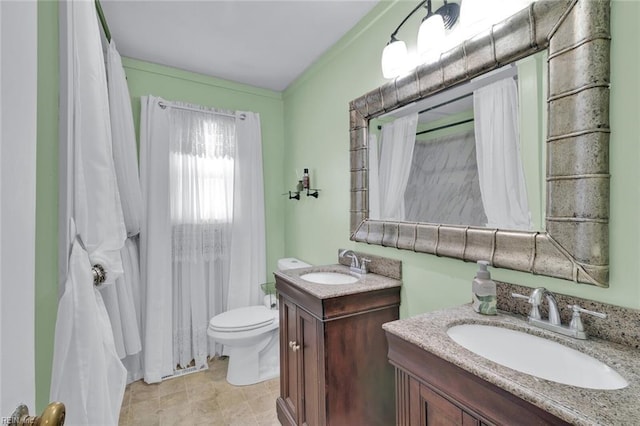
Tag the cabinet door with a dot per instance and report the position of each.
(309, 357)
(289, 383)
(438, 411)
(299, 364)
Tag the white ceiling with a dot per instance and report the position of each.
(263, 43)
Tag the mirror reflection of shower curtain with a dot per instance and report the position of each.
(443, 182)
(374, 183)
(397, 143)
(188, 163)
(501, 175)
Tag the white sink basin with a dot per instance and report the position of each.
(536, 356)
(329, 278)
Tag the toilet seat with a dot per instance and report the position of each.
(250, 337)
(242, 319)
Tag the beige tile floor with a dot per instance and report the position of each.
(203, 398)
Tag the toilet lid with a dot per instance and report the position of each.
(242, 319)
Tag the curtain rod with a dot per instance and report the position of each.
(446, 103)
(446, 126)
(103, 21)
(466, 95)
(171, 105)
(440, 127)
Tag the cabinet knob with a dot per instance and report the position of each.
(294, 346)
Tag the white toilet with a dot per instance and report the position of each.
(250, 338)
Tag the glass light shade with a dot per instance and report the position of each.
(395, 59)
(431, 38)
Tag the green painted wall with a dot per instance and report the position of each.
(317, 136)
(46, 198)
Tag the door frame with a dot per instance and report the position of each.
(18, 139)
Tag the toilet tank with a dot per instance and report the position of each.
(291, 263)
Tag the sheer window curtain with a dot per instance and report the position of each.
(397, 143)
(202, 246)
(202, 162)
(501, 175)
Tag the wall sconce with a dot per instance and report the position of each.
(431, 37)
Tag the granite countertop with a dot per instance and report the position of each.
(366, 282)
(576, 405)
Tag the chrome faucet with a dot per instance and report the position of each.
(357, 266)
(553, 323)
(536, 297)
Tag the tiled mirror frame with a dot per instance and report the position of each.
(575, 245)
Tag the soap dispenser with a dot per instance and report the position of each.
(484, 291)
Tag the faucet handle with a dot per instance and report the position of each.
(578, 309)
(576, 320)
(535, 311)
(520, 296)
(363, 265)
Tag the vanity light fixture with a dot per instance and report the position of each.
(431, 36)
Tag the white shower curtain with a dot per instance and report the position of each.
(186, 242)
(397, 140)
(87, 373)
(155, 242)
(202, 161)
(500, 171)
(248, 245)
(120, 299)
(125, 155)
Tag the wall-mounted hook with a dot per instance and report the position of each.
(312, 194)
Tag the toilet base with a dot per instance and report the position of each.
(248, 366)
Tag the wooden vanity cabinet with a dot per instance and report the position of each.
(432, 391)
(333, 358)
(299, 364)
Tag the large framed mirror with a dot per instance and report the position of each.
(572, 244)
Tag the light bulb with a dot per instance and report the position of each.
(394, 59)
(431, 38)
